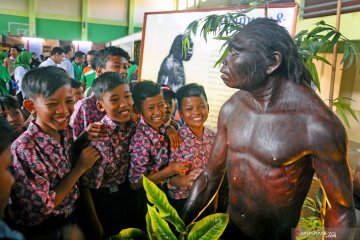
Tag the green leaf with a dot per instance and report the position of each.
(333, 41)
(322, 59)
(149, 229)
(312, 69)
(160, 226)
(301, 34)
(131, 233)
(345, 106)
(223, 56)
(159, 199)
(222, 38)
(341, 112)
(210, 227)
(326, 38)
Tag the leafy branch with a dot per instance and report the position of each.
(309, 43)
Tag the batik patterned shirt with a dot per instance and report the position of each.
(148, 151)
(191, 150)
(111, 169)
(39, 164)
(85, 112)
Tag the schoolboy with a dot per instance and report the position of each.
(170, 107)
(6, 178)
(110, 59)
(45, 192)
(196, 141)
(77, 90)
(107, 179)
(11, 111)
(148, 146)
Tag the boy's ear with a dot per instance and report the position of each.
(99, 71)
(100, 106)
(29, 105)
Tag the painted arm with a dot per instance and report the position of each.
(332, 168)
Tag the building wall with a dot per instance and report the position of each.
(106, 20)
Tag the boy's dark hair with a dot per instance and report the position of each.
(168, 92)
(101, 57)
(190, 90)
(79, 54)
(6, 133)
(75, 84)
(67, 49)
(44, 81)
(9, 102)
(57, 50)
(143, 90)
(107, 82)
(91, 52)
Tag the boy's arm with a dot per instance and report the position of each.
(187, 180)
(88, 157)
(77, 119)
(173, 137)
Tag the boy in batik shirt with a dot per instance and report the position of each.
(110, 59)
(107, 179)
(45, 192)
(148, 146)
(196, 141)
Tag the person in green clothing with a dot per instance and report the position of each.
(79, 59)
(21, 66)
(4, 76)
(89, 73)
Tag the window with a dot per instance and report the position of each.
(320, 8)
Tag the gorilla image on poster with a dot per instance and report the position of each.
(171, 71)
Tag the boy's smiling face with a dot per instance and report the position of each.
(53, 113)
(116, 64)
(117, 103)
(153, 111)
(194, 111)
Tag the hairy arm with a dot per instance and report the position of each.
(206, 185)
(331, 166)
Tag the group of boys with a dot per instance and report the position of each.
(83, 164)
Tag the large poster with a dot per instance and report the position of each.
(161, 42)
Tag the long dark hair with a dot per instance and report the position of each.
(265, 37)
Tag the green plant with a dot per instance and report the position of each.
(312, 227)
(320, 39)
(161, 212)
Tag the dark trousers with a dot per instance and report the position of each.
(114, 208)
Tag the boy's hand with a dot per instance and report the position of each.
(88, 157)
(96, 131)
(192, 176)
(186, 166)
(173, 136)
(176, 167)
